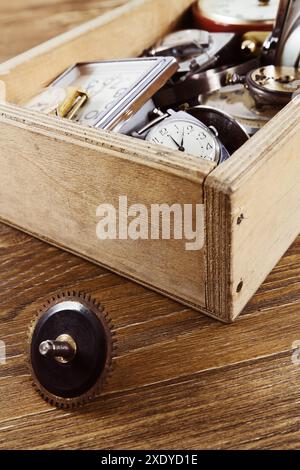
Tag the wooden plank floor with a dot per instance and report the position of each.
(181, 380)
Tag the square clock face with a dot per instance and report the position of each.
(115, 89)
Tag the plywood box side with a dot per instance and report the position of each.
(52, 184)
(124, 147)
(255, 203)
(245, 162)
(218, 249)
(124, 32)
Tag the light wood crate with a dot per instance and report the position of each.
(55, 173)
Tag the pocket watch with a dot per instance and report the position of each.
(183, 132)
(230, 132)
(236, 101)
(235, 15)
(114, 90)
(195, 48)
(273, 85)
(283, 46)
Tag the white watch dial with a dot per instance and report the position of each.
(185, 136)
(238, 11)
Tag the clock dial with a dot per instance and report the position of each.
(186, 136)
(236, 13)
(48, 101)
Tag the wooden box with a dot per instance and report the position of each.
(55, 173)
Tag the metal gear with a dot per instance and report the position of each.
(70, 349)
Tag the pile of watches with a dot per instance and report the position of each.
(212, 86)
(237, 68)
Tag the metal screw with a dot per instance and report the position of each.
(63, 349)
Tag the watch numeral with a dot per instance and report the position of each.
(91, 115)
(108, 81)
(163, 131)
(201, 136)
(120, 92)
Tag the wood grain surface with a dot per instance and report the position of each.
(181, 380)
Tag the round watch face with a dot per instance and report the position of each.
(186, 136)
(236, 101)
(237, 12)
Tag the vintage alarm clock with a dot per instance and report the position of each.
(110, 91)
(185, 133)
(235, 15)
(70, 349)
(283, 46)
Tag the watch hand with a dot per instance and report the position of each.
(182, 140)
(180, 148)
(174, 141)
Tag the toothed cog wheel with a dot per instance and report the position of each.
(70, 350)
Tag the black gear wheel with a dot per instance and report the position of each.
(71, 346)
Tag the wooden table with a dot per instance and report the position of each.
(181, 380)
